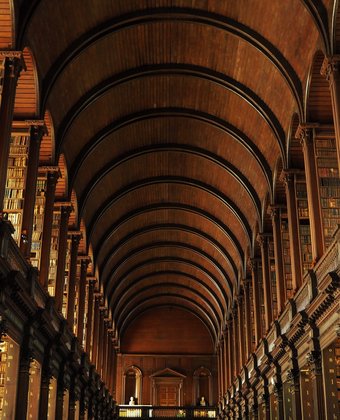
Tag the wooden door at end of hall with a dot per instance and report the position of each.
(168, 395)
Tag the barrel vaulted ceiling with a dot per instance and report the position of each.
(172, 116)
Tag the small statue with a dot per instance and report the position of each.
(202, 401)
(132, 401)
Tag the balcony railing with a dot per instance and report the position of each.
(149, 411)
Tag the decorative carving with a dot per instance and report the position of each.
(15, 66)
(314, 362)
(37, 131)
(253, 263)
(10, 54)
(304, 133)
(49, 169)
(3, 328)
(277, 389)
(286, 177)
(329, 66)
(293, 376)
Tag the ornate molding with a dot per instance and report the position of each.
(314, 361)
(330, 66)
(304, 133)
(10, 54)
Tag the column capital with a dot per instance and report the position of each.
(49, 169)
(304, 132)
(314, 361)
(234, 308)
(330, 66)
(66, 210)
(75, 236)
(287, 176)
(84, 259)
(10, 54)
(262, 238)
(246, 282)
(16, 61)
(3, 327)
(37, 130)
(253, 263)
(92, 280)
(240, 296)
(274, 210)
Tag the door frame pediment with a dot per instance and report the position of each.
(167, 372)
(169, 377)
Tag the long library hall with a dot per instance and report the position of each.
(169, 209)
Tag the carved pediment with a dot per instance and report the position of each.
(167, 373)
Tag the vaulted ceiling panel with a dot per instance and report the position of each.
(171, 116)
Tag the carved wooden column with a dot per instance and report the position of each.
(220, 362)
(247, 313)
(44, 395)
(92, 282)
(65, 209)
(241, 334)
(254, 267)
(59, 407)
(230, 351)
(279, 271)
(305, 134)
(235, 341)
(330, 69)
(114, 368)
(112, 365)
(293, 228)
(102, 311)
(225, 359)
(46, 375)
(268, 309)
(104, 345)
(109, 361)
(84, 261)
(52, 177)
(75, 239)
(37, 131)
(294, 377)
(26, 357)
(61, 387)
(72, 399)
(315, 364)
(314, 360)
(12, 68)
(278, 392)
(95, 342)
(106, 368)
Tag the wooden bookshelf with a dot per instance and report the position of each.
(3, 369)
(16, 179)
(38, 220)
(261, 297)
(252, 316)
(304, 224)
(66, 282)
(52, 272)
(2, 72)
(85, 314)
(76, 301)
(287, 265)
(272, 273)
(329, 185)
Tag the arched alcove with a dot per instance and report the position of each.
(202, 381)
(132, 385)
